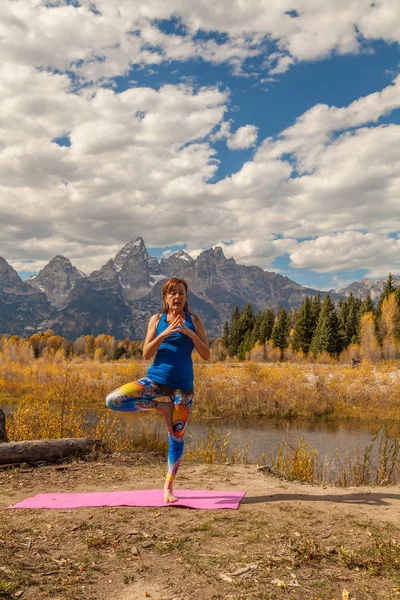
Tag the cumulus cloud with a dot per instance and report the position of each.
(141, 162)
(347, 251)
(243, 138)
(100, 40)
(251, 251)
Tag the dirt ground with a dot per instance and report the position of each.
(287, 540)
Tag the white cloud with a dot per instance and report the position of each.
(347, 251)
(243, 138)
(251, 251)
(141, 161)
(98, 45)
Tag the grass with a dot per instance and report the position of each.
(378, 465)
(52, 399)
(7, 587)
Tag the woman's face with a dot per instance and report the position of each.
(176, 297)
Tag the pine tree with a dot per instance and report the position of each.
(388, 289)
(349, 320)
(267, 323)
(367, 306)
(255, 334)
(390, 286)
(316, 308)
(304, 327)
(234, 337)
(226, 335)
(327, 335)
(280, 331)
(247, 319)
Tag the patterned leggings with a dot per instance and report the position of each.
(140, 395)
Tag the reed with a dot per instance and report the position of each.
(378, 465)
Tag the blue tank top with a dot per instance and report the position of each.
(172, 364)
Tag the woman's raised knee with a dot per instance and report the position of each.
(113, 400)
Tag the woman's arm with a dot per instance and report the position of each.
(199, 338)
(152, 341)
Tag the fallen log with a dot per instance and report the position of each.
(32, 451)
(3, 432)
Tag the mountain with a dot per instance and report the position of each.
(366, 287)
(136, 271)
(56, 280)
(119, 298)
(22, 308)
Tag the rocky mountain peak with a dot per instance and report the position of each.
(367, 287)
(56, 279)
(181, 255)
(133, 250)
(134, 269)
(177, 264)
(9, 278)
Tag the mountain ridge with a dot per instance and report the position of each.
(119, 298)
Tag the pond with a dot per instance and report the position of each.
(263, 437)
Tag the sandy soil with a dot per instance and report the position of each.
(287, 540)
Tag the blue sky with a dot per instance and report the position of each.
(274, 135)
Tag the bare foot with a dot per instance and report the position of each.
(169, 497)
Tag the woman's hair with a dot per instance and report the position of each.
(167, 287)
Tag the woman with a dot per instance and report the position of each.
(171, 337)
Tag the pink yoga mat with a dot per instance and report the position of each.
(200, 499)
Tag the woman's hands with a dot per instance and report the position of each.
(153, 341)
(176, 325)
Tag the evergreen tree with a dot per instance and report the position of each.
(226, 335)
(367, 306)
(327, 335)
(349, 320)
(280, 331)
(292, 316)
(247, 319)
(316, 308)
(234, 337)
(304, 327)
(267, 324)
(245, 345)
(255, 334)
(390, 286)
(388, 289)
(241, 328)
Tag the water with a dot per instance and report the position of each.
(330, 439)
(262, 437)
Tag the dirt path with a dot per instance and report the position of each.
(287, 540)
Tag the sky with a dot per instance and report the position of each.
(270, 128)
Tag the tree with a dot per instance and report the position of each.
(304, 327)
(327, 335)
(234, 338)
(245, 326)
(226, 335)
(389, 288)
(255, 334)
(316, 308)
(266, 326)
(280, 331)
(389, 321)
(119, 352)
(90, 345)
(367, 306)
(368, 342)
(349, 319)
